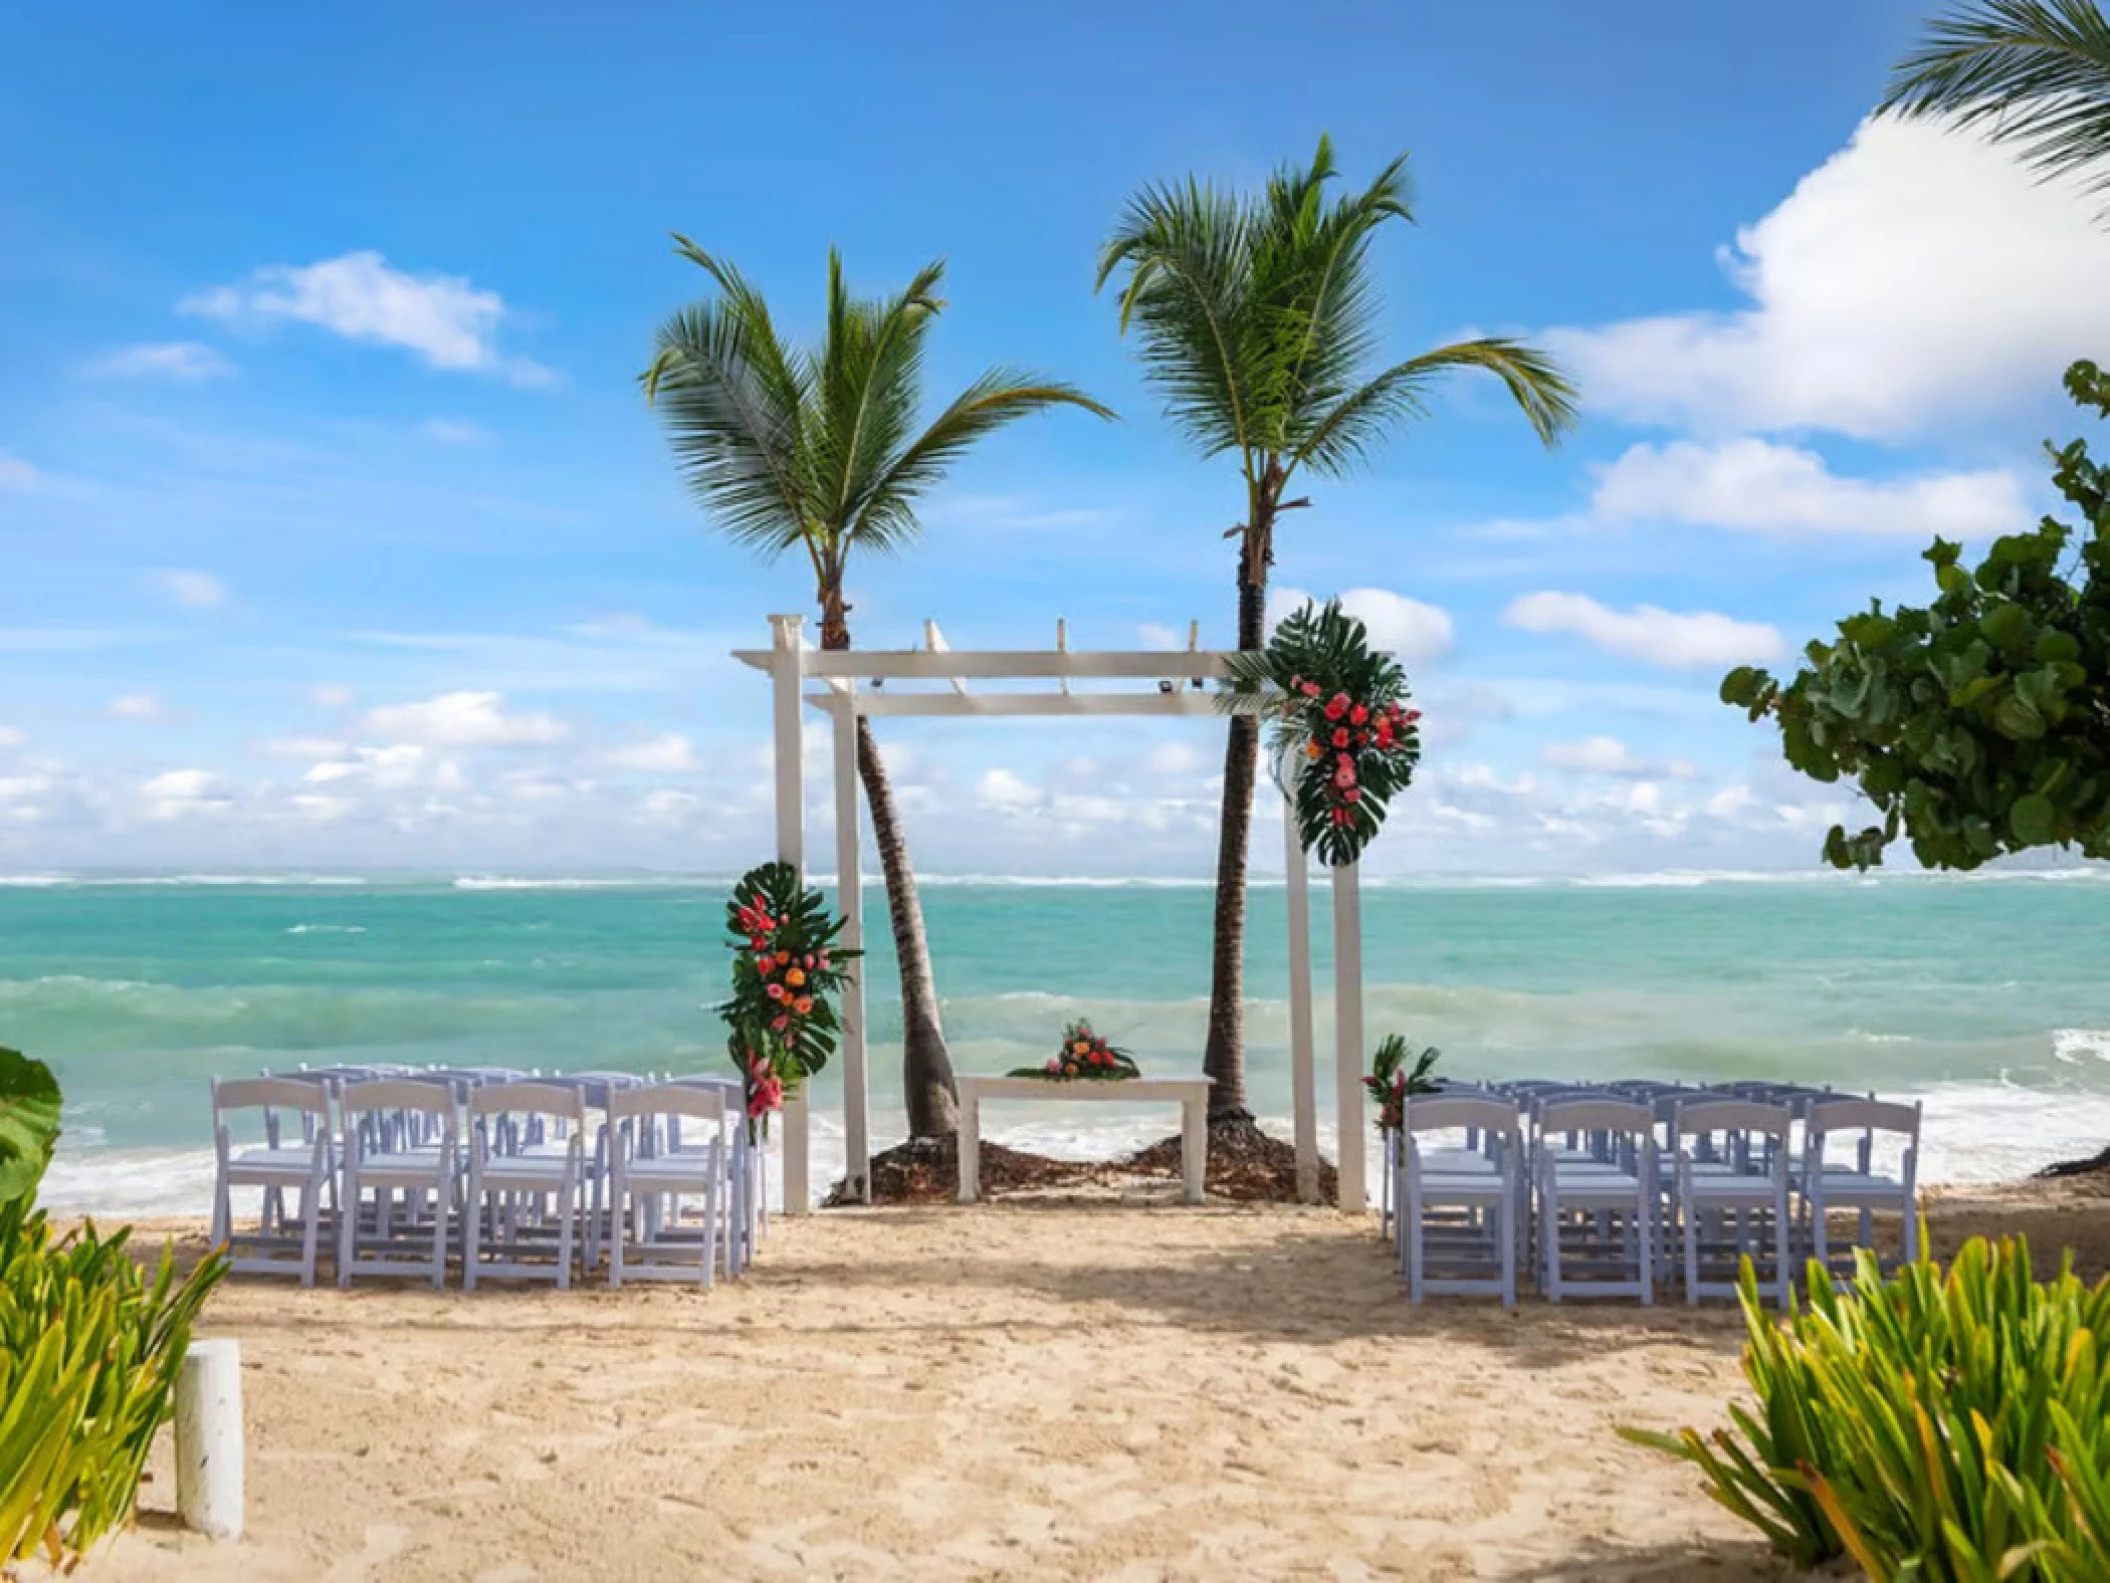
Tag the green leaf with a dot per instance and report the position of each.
(29, 1123)
(2035, 819)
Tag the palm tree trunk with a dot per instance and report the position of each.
(1223, 1056)
(926, 1065)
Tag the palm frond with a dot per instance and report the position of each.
(1346, 433)
(869, 395)
(2034, 73)
(886, 515)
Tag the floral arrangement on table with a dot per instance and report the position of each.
(1344, 742)
(1084, 1057)
(787, 969)
(1392, 1082)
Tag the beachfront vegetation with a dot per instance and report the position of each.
(2031, 73)
(89, 1348)
(788, 967)
(1939, 1425)
(817, 451)
(1256, 318)
(1978, 724)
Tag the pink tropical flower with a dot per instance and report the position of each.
(777, 992)
(1344, 773)
(1358, 715)
(1340, 736)
(1336, 706)
(1310, 689)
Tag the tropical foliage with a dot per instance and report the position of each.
(29, 1123)
(1083, 1057)
(1344, 743)
(787, 969)
(2033, 73)
(820, 452)
(1939, 1425)
(1256, 315)
(1392, 1082)
(1978, 724)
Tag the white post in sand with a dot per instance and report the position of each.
(209, 1439)
(850, 898)
(1303, 1077)
(788, 669)
(1348, 1034)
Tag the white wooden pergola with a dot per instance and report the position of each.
(845, 684)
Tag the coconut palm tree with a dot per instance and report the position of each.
(2034, 73)
(1256, 315)
(817, 451)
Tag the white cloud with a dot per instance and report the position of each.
(1917, 276)
(394, 768)
(1153, 636)
(450, 431)
(1401, 626)
(185, 360)
(11, 738)
(1602, 755)
(16, 475)
(1172, 758)
(332, 695)
(306, 748)
(668, 753)
(465, 719)
(447, 321)
(135, 706)
(178, 793)
(1759, 486)
(1003, 789)
(196, 590)
(1700, 639)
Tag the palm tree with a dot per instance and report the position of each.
(1257, 318)
(818, 451)
(2035, 73)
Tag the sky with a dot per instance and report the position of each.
(335, 531)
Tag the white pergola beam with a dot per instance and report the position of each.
(955, 705)
(1303, 1073)
(1348, 1034)
(997, 664)
(850, 897)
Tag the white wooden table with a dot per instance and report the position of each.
(1192, 1093)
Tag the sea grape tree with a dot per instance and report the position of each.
(1978, 724)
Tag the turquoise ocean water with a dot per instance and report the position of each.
(1988, 998)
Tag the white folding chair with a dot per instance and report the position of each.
(523, 1193)
(649, 1240)
(1731, 1159)
(278, 1165)
(381, 1120)
(1476, 1180)
(748, 1212)
(1859, 1186)
(1597, 1156)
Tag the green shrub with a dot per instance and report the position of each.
(1933, 1426)
(29, 1123)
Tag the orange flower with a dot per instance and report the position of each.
(1312, 750)
(795, 978)
(802, 1005)
(783, 957)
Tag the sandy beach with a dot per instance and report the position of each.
(1068, 1388)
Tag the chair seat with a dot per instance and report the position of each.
(542, 1171)
(1605, 1183)
(415, 1168)
(254, 1166)
(1738, 1185)
(1478, 1186)
(1455, 1161)
(683, 1169)
(1842, 1186)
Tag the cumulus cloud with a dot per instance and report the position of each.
(135, 706)
(1918, 276)
(668, 753)
(465, 719)
(177, 794)
(1401, 626)
(194, 590)
(1172, 758)
(306, 748)
(444, 319)
(1603, 755)
(1700, 639)
(189, 361)
(1759, 486)
(1004, 789)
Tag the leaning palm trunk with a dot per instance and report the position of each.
(926, 1065)
(1223, 1056)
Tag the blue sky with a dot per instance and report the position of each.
(336, 533)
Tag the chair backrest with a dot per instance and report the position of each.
(1597, 1113)
(1700, 1116)
(269, 1093)
(1442, 1112)
(669, 1099)
(528, 1099)
(1858, 1115)
(414, 1095)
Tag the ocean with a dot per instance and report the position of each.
(1986, 998)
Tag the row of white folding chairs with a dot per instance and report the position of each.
(1542, 1165)
(524, 1178)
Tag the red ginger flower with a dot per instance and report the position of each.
(1336, 706)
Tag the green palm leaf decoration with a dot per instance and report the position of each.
(1343, 742)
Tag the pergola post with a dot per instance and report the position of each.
(1303, 1078)
(787, 668)
(850, 898)
(1348, 1034)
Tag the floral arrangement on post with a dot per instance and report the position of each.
(1392, 1082)
(1344, 742)
(786, 970)
(1083, 1057)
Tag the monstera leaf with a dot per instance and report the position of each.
(29, 1123)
